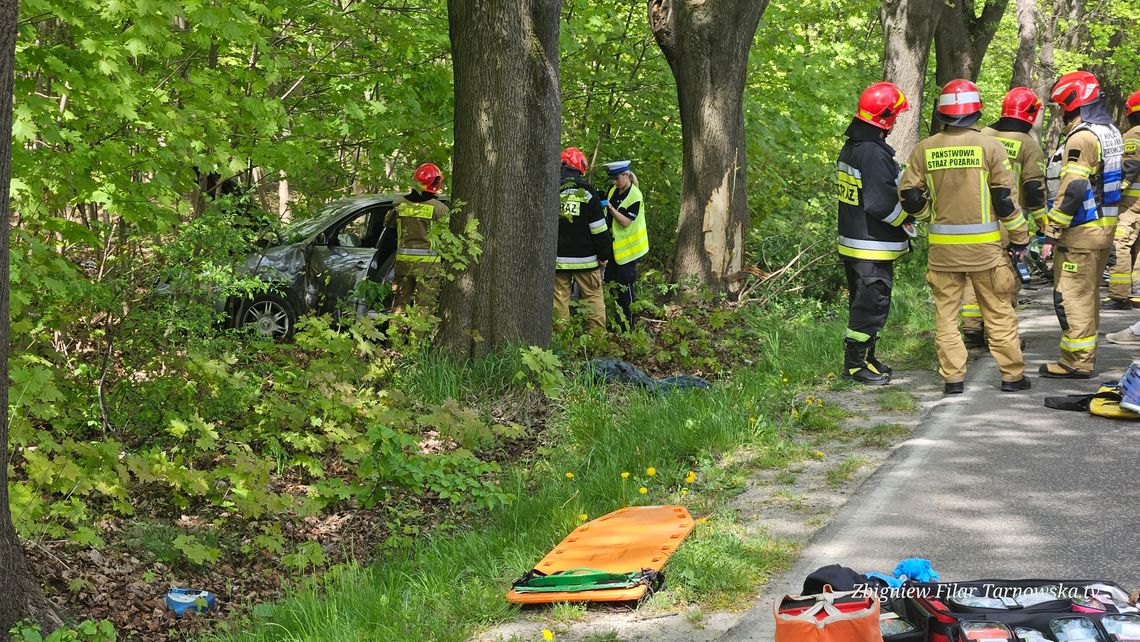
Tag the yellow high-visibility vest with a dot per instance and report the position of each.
(630, 243)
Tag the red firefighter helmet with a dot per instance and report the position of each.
(1132, 106)
(1075, 89)
(880, 104)
(429, 176)
(574, 158)
(1021, 103)
(959, 102)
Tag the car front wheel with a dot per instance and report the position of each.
(271, 315)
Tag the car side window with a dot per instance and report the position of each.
(353, 233)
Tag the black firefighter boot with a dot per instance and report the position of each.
(876, 365)
(855, 364)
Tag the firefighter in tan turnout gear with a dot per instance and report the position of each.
(1120, 283)
(1019, 110)
(1084, 183)
(417, 263)
(961, 182)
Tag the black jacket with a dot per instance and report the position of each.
(583, 235)
(870, 217)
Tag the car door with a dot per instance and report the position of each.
(342, 255)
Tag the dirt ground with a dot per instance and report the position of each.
(790, 504)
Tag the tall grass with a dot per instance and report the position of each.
(451, 583)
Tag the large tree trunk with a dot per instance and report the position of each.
(706, 44)
(507, 130)
(1066, 31)
(908, 29)
(962, 38)
(1025, 68)
(20, 596)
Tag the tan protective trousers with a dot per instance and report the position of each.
(972, 314)
(590, 287)
(993, 288)
(417, 287)
(1121, 278)
(1076, 279)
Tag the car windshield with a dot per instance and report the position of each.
(298, 230)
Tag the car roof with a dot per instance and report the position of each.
(366, 200)
(335, 209)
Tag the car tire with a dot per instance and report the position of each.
(270, 315)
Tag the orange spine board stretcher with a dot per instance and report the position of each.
(628, 539)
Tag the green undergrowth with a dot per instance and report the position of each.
(603, 448)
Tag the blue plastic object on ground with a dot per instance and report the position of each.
(181, 600)
(890, 581)
(916, 569)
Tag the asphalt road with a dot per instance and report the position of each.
(995, 485)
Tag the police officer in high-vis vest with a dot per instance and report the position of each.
(961, 182)
(1019, 111)
(1120, 282)
(871, 227)
(626, 215)
(1084, 177)
(417, 263)
(584, 243)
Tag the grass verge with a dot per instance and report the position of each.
(605, 448)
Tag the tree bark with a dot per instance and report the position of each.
(908, 29)
(21, 596)
(1067, 36)
(962, 38)
(1025, 67)
(706, 43)
(507, 131)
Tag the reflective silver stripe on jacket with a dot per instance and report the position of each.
(574, 260)
(895, 215)
(890, 246)
(973, 228)
(847, 169)
(598, 223)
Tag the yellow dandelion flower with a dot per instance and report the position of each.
(569, 475)
(691, 477)
(702, 520)
(643, 490)
(819, 453)
(651, 471)
(684, 491)
(547, 635)
(625, 474)
(583, 517)
(784, 379)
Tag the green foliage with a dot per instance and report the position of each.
(86, 631)
(456, 251)
(206, 456)
(544, 368)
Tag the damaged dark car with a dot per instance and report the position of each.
(317, 265)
